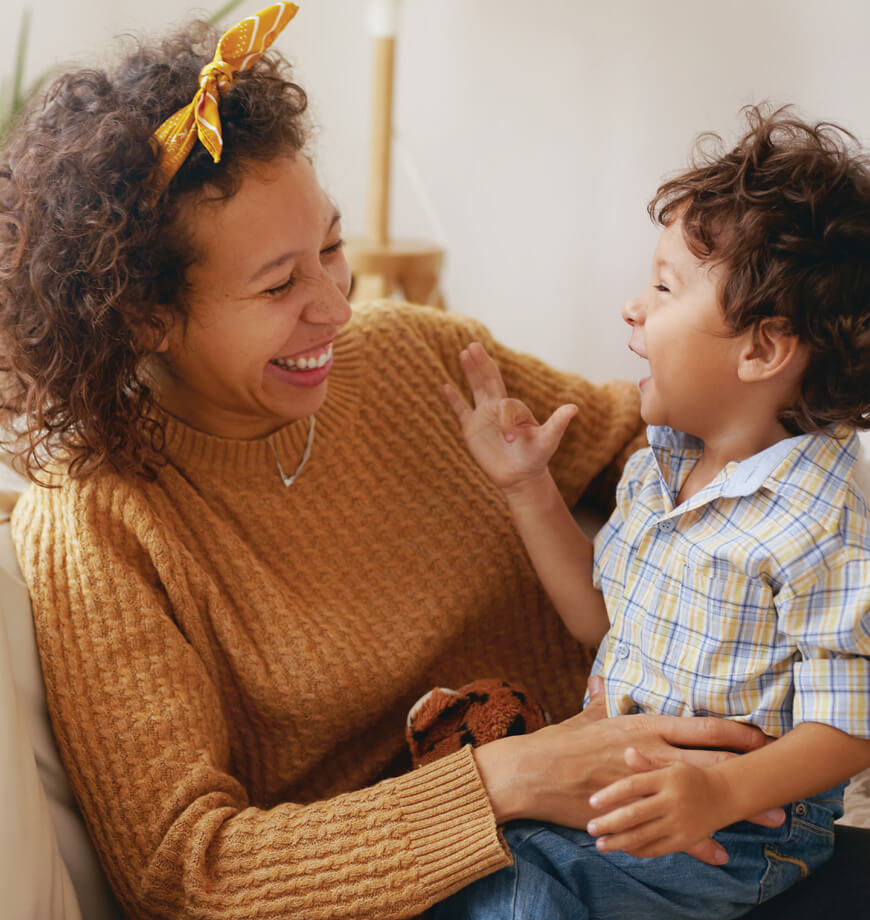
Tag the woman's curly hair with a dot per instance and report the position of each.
(787, 213)
(91, 262)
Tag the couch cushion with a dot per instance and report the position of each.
(48, 867)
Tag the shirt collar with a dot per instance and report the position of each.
(782, 467)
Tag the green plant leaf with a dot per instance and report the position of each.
(20, 58)
(224, 11)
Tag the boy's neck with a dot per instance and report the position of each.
(726, 446)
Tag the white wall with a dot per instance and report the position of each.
(538, 129)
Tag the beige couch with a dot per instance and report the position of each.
(48, 868)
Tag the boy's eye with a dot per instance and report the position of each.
(661, 287)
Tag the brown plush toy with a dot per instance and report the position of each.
(443, 720)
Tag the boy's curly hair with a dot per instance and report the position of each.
(787, 212)
(91, 263)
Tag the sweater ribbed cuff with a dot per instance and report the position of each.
(454, 837)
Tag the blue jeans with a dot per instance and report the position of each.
(558, 874)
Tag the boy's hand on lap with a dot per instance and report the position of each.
(665, 810)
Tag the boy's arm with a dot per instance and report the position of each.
(672, 808)
(513, 449)
(561, 554)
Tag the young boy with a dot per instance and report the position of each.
(733, 578)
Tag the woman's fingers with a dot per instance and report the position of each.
(709, 851)
(638, 762)
(772, 818)
(706, 732)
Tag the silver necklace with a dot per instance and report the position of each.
(289, 480)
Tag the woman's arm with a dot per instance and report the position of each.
(147, 741)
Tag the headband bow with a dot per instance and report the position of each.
(238, 49)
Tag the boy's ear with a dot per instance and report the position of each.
(771, 349)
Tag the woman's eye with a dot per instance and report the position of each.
(281, 288)
(333, 248)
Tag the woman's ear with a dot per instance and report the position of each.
(152, 332)
(771, 350)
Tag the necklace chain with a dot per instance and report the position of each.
(289, 480)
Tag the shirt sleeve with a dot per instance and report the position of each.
(177, 833)
(827, 613)
(601, 437)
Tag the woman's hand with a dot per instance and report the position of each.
(551, 774)
(502, 434)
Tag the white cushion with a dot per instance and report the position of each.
(48, 867)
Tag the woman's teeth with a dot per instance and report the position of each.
(304, 364)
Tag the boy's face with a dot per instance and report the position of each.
(678, 326)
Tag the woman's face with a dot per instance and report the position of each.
(267, 298)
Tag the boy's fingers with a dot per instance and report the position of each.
(513, 415)
(482, 372)
(633, 839)
(628, 788)
(556, 424)
(633, 815)
(456, 402)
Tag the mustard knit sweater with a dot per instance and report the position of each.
(229, 662)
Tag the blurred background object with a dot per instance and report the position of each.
(382, 266)
(527, 137)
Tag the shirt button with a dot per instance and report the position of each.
(666, 526)
(621, 650)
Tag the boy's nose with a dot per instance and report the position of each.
(632, 311)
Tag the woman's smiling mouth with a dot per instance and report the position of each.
(312, 361)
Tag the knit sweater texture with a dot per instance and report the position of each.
(229, 662)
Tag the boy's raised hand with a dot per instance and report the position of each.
(502, 434)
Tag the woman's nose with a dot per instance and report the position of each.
(327, 301)
(330, 307)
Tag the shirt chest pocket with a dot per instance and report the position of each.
(727, 626)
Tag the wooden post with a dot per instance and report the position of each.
(378, 264)
(381, 140)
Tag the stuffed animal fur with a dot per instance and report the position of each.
(442, 721)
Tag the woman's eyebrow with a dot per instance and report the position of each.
(287, 256)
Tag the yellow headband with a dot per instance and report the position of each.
(238, 49)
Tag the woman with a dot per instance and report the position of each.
(263, 538)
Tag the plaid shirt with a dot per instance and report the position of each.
(750, 600)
